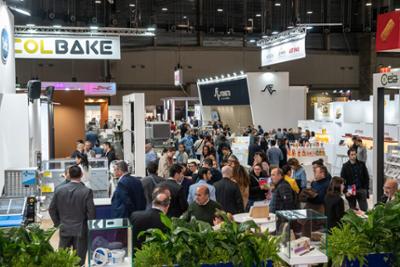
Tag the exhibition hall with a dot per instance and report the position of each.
(199, 133)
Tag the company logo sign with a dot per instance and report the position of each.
(389, 79)
(68, 47)
(90, 89)
(291, 50)
(222, 95)
(5, 45)
(269, 88)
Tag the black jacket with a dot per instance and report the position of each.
(348, 176)
(334, 209)
(283, 198)
(178, 198)
(255, 192)
(144, 220)
(228, 195)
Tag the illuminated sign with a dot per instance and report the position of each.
(91, 89)
(65, 47)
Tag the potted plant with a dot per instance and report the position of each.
(22, 247)
(371, 241)
(196, 243)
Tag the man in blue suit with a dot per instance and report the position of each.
(129, 194)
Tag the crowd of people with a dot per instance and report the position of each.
(200, 175)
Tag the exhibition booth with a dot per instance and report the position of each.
(254, 98)
(178, 108)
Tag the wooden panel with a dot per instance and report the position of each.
(69, 121)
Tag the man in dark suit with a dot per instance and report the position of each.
(70, 209)
(228, 192)
(129, 194)
(150, 219)
(178, 197)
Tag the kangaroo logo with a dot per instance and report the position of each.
(270, 88)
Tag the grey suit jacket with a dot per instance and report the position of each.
(71, 207)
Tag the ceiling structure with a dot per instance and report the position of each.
(233, 23)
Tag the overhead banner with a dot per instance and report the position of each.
(67, 47)
(91, 89)
(388, 32)
(224, 93)
(291, 49)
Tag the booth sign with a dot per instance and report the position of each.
(290, 49)
(388, 32)
(90, 89)
(67, 47)
(223, 93)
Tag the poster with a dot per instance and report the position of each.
(240, 148)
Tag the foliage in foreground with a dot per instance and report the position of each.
(30, 247)
(195, 242)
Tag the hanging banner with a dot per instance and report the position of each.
(290, 49)
(388, 32)
(67, 47)
(224, 93)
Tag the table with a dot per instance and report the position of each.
(264, 223)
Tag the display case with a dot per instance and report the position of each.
(110, 242)
(303, 235)
(392, 162)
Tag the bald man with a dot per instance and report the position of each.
(150, 218)
(389, 190)
(228, 193)
(203, 209)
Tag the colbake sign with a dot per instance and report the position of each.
(67, 47)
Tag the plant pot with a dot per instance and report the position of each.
(373, 259)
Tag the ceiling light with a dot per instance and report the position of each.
(164, 9)
(20, 10)
(309, 27)
(220, 10)
(368, 4)
(151, 29)
(30, 25)
(290, 27)
(397, 9)
(258, 15)
(94, 27)
(309, 12)
(184, 17)
(234, 74)
(241, 72)
(252, 41)
(97, 2)
(56, 26)
(132, 5)
(274, 32)
(278, 4)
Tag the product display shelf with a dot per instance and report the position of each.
(392, 162)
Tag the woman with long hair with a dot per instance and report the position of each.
(335, 202)
(261, 158)
(258, 185)
(241, 177)
(298, 173)
(82, 161)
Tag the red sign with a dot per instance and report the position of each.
(388, 32)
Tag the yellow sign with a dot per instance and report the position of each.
(47, 174)
(47, 188)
